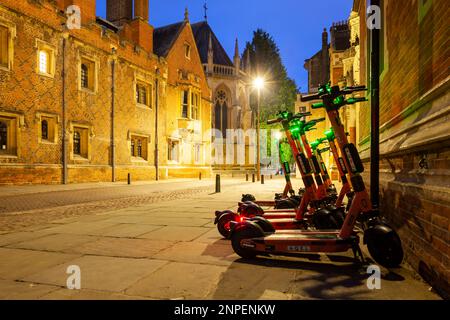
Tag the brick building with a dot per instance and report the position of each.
(80, 105)
(415, 130)
(187, 114)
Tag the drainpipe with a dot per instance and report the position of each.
(156, 126)
(113, 91)
(375, 115)
(63, 92)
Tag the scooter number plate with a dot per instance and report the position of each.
(299, 248)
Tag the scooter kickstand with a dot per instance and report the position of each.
(358, 255)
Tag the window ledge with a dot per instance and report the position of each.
(143, 106)
(80, 158)
(46, 75)
(8, 156)
(139, 159)
(88, 91)
(47, 142)
(6, 69)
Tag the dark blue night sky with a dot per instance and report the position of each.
(296, 25)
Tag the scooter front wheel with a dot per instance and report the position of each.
(386, 249)
(245, 232)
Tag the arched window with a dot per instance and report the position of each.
(221, 112)
(77, 143)
(3, 136)
(84, 76)
(44, 130)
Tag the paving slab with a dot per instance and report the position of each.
(250, 282)
(127, 230)
(179, 281)
(100, 273)
(15, 237)
(54, 242)
(67, 294)
(170, 233)
(161, 221)
(213, 237)
(193, 252)
(16, 290)
(17, 263)
(86, 228)
(123, 247)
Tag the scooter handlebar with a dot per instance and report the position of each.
(273, 121)
(310, 97)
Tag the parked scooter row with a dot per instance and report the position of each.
(319, 223)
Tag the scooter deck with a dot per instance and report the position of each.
(304, 242)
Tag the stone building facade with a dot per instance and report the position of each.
(79, 105)
(231, 87)
(414, 127)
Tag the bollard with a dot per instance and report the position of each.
(246, 177)
(253, 177)
(129, 178)
(262, 179)
(199, 176)
(218, 183)
(270, 177)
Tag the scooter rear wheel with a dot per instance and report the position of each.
(224, 224)
(386, 249)
(246, 232)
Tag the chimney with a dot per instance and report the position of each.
(136, 29)
(87, 8)
(141, 9)
(120, 11)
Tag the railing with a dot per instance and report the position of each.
(220, 70)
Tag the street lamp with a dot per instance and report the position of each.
(258, 83)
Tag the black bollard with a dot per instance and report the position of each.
(218, 183)
(246, 177)
(262, 179)
(253, 177)
(129, 178)
(199, 176)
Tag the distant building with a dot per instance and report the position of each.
(318, 66)
(230, 86)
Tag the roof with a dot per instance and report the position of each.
(201, 31)
(165, 37)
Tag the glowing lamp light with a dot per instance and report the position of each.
(278, 135)
(258, 83)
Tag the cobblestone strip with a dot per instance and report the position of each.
(26, 219)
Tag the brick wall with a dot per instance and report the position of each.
(26, 94)
(415, 135)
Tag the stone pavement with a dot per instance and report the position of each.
(170, 249)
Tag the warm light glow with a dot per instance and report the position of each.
(43, 61)
(278, 135)
(258, 83)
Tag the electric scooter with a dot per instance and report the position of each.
(254, 237)
(288, 199)
(310, 210)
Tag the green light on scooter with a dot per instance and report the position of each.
(330, 134)
(339, 100)
(315, 144)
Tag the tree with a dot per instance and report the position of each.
(280, 92)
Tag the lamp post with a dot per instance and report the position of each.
(258, 83)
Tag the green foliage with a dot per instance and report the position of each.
(280, 92)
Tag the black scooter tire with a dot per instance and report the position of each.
(386, 249)
(224, 222)
(238, 236)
